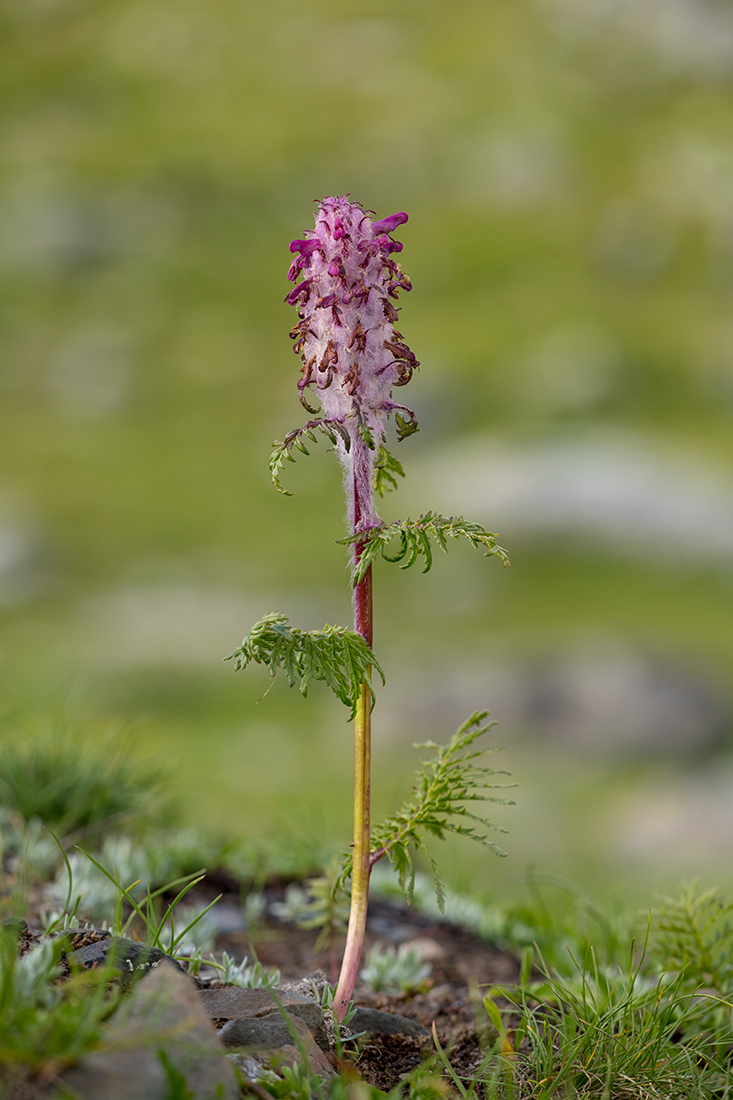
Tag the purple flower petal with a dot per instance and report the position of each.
(295, 269)
(306, 248)
(388, 225)
(388, 245)
(303, 288)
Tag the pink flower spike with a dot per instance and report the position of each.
(351, 352)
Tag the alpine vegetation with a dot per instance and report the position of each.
(354, 358)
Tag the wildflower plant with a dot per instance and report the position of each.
(319, 906)
(46, 1023)
(392, 969)
(244, 974)
(354, 358)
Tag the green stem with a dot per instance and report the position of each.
(360, 857)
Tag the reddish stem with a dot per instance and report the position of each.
(361, 866)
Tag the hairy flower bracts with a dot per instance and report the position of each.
(352, 354)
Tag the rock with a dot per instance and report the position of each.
(164, 1014)
(227, 1001)
(227, 917)
(16, 925)
(257, 1031)
(270, 1042)
(128, 955)
(232, 1003)
(311, 986)
(93, 938)
(249, 1066)
(614, 490)
(375, 1022)
(21, 573)
(426, 949)
(606, 698)
(92, 954)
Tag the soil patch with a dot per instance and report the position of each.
(449, 1001)
(463, 966)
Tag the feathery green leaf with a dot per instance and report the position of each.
(443, 787)
(406, 425)
(337, 656)
(387, 469)
(365, 432)
(696, 935)
(414, 537)
(283, 451)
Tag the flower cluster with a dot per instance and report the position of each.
(352, 353)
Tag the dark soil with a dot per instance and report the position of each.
(463, 968)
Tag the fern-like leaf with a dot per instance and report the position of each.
(283, 452)
(387, 469)
(414, 537)
(444, 789)
(695, 937)
(405, 422)
(365, 432)
(337, 656)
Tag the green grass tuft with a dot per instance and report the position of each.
(71, 780)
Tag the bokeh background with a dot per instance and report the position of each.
(568, 170)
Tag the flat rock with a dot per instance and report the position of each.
(227, 917)
(310, 987)
(376, 1022)
(257, 1031)
(128, 955)
(228, 1001)
(269, 1042)
(233, 1003)
(426, 949)
(164, 1013)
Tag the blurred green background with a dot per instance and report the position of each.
(567, 166)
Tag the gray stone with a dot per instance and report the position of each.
(269, 1042)
(375, 1022)
(92, 954)
(231, 1003)
(164, 1013)
(226, 1002)
(16, 925)
(257, 1031)
(249, 1066)
(227, 917)
(309, 987)
(606, 698)
(21, 570)
(614, 490)
(127, 956)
